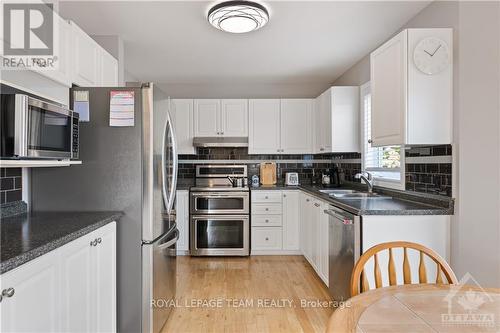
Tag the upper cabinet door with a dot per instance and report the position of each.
(108, 69)
(63, 51)
(207, 117)
(182, 114)
(234, 117)
(326, 121)
(86, 56)
(389, 91)
(296, 133)
(264, 126)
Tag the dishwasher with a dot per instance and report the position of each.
(344, 249)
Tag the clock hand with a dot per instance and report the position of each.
(428, 53)
(432, 55)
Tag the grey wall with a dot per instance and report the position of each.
(475, 228)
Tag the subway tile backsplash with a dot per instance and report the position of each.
(10, 185)
(428, 169)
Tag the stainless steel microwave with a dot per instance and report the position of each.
(35, 129)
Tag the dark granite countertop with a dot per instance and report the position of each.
(400, 203)
(27, 236)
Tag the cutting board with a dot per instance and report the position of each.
(268, 173)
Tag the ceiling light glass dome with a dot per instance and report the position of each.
(238, 16)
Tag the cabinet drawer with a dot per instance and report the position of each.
(266, 238)
(265, 209)
(266, 221)
(266, 196)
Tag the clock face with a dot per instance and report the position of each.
(431, 55)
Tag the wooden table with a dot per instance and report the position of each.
(420, 308)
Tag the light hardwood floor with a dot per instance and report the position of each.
(255, 280)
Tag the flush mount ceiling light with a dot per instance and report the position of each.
(238, 16)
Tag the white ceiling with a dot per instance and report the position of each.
(305, 42)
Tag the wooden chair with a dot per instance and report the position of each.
(358, 276)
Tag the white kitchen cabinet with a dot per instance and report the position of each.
(408, 106)
(72, 288)
(306, 221)
(86, 58)
(77, 276)
(296, 126)
(221, 118)
(206, 117)
(182, 114)
(264, 126)
(323, 242)
(108, 69)
(92, 65)
(36, 303)
(280, 126)
(63, 51)
(291, 232)
(182, 209)
(267, 238)
(234, 118)
(103, 301)
(336, 120)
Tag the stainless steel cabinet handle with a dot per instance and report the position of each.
(321, 149)
(267, 197)
(9, 292)
(267, 209)
(284, 195)
(99, 240)
(370, 141)
(267, 221)
(267, 238)
(221, 133)
(316, 204)
(307, 200)
(94, 242)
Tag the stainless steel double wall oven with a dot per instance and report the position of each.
(219, 212)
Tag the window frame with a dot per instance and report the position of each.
(364, 90)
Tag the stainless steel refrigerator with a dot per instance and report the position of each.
(133, 170)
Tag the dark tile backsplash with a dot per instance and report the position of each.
(433, 178)
(10, 185)
(309, 172)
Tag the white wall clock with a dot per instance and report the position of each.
(431, 55)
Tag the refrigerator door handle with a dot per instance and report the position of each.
(170, 242)
(169, 197)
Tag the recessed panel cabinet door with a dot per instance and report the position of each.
(104, 273)
(182, 208)
(206, 117)
(35, 303)
(77, 275)
(389, 91)
(108, 69)
(264, 126)
(234, 117)
(183, 125)
(291, 210)
(86, 58)
(296, 123)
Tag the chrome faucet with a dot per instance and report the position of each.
(367, 177)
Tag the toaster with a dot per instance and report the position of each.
(292, 178)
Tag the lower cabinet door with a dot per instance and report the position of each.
(266, 238)
(182, 208)
(34, 303)
(291, 211)
(77, 294)
(104, 274)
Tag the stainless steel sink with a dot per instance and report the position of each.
(358, 195)
(353, 194)
(330, 192)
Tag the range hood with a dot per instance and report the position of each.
(207, 141)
